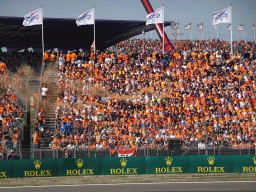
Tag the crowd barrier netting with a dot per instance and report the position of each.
(127, 166)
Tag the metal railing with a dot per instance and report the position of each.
(76, 153)
(7, 147)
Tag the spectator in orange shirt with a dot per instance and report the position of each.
(46, 57)
(68, 58)
(53, 56)
(2, 67)
(73, 58)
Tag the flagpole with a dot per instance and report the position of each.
(243, 33)
(202, 34)
(43, 32)
(231, 32)
(237, 35)
(179, 32)
(42, 67)
(163, 28)
(191, 32)
(217, 33)
(94, 34)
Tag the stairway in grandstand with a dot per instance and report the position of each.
(50, 106)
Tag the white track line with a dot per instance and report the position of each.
(131, 184)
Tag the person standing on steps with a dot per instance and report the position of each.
(44, 93)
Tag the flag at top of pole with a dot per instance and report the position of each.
(229, 27)
(215, 27)
(188, 26)
(156, 17)
(34, 18)
(86, 18)
(253, 27)
(200, 26)
(222, 16)
(240, 28)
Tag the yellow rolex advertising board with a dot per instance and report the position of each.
(37, 168)
(80, 166)
(211, 164)
(244, 164)
(123, 165)
(167, 165)
(7, 169)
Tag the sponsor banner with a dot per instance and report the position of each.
(80, 166)
(167, 165)
(37, 168)
(123, 165)
(34, 18)
(7, 168)
(155, 17)
(222, 16)
(86, 18)
(244, 164)
(211, 164)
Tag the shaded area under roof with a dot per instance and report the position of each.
(64, 33)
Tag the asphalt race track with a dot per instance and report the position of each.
(193, 186)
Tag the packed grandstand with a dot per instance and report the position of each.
(132, 96)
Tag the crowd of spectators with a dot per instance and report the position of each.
(11, 119)
(134, 96)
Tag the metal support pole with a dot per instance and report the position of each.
(147, 141)
(231, 33)
(206, 140)
(163, 28)
(89, 139)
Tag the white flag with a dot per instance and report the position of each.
(188, 26)
(253, 27)
(240, 28)
(215, 27)
(200, 26)
(155, 17)
(86, 18)
(229, 27)
(34, 18)
(223, 16)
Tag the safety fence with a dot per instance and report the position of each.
(127, 166)
(143, 152)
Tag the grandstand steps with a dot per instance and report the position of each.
(50, 106)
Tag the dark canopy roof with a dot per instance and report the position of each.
(64, 33)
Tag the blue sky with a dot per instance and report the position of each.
(182, 11)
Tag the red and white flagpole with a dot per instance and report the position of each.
(231, 32)
(163, 29)
(94, 33)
